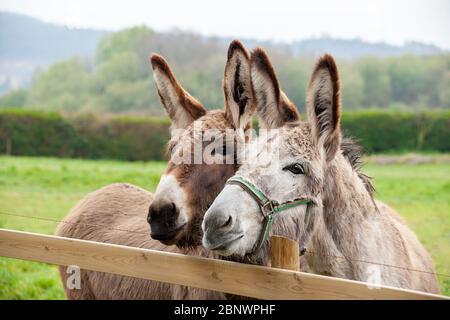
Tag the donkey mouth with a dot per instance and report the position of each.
(168, 236)
(223, 246)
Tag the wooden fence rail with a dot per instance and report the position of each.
(225, 276)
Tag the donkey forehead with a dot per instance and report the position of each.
(213, 120)
(296, 140)
(293, 140)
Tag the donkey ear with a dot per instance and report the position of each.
(324, 106)
(272, 105)
(180, 106)
(239, 102)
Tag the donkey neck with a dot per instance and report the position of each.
(344, 194)
(346, 204)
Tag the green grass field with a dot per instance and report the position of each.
(47, 187)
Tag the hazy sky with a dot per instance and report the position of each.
(392, 21)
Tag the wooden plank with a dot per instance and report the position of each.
(284, 253)
(225, 276)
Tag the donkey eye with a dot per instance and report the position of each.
(295, 168)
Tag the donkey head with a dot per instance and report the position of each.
(203, 148)
(287, 165)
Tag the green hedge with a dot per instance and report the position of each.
(86, 136)
(124, 138)
(33, 133)
(387, 131)
(36, 134)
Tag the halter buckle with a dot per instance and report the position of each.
(268, 208)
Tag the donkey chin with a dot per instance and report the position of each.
(231, 245)
(225, 227)
(172, 236)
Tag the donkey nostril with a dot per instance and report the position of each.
(175, 211)
(149, 215)
(228, 222)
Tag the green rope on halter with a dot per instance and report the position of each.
(266, 231)
(254, 190)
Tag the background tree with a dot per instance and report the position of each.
(119, 79)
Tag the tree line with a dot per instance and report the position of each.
(119, 80)
(128, 137)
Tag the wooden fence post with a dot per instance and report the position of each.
(284, 253)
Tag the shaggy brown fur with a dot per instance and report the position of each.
(201, 182)
(122, 206)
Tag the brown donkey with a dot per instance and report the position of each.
(319, 198)
(183, 194)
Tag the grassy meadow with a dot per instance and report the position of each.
(48, 187)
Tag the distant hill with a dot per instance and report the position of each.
(27, 43)
(355, 48)
(23, 37)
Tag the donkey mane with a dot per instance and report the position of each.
(354, 152)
